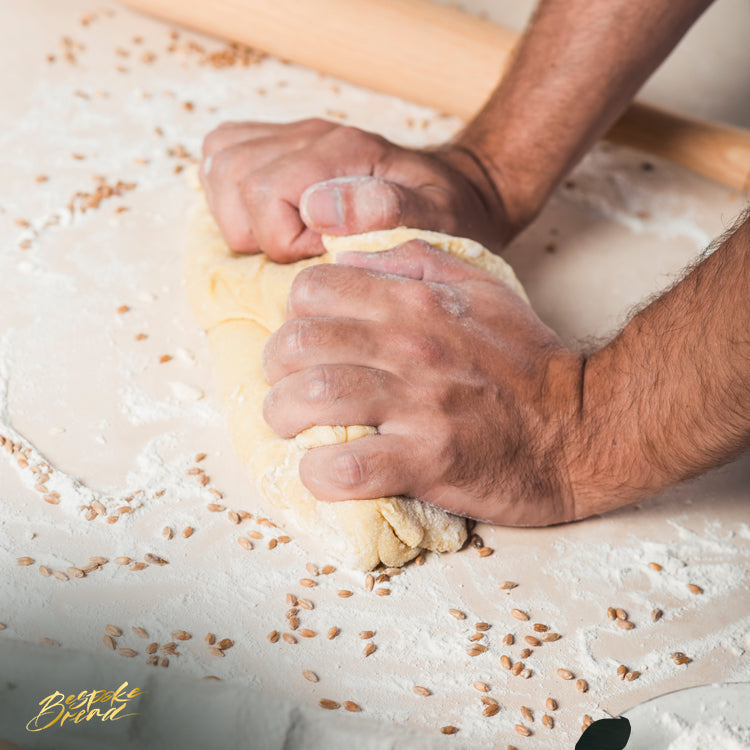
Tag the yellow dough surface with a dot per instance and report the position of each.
(239, 300)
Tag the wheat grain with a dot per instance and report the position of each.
(550, 637)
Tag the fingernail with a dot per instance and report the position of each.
(324, 207)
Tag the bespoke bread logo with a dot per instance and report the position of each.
(101, 705)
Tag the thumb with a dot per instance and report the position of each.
(353, 205)
(417, 260)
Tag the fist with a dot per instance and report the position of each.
(277, 187)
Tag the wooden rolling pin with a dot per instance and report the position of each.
(438, 56)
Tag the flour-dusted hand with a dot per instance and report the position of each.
(473, 396)
(276, 187)
(481, 410)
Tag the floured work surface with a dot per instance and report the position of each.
(104, 377)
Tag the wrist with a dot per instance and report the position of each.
(522, 195)
(483, 181)
(609, 464)
(561, 394)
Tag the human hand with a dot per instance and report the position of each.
(278, 187)
(474, 398)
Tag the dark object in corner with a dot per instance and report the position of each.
(605, 734)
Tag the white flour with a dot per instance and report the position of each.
(707, 735)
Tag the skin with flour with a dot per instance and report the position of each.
(569, 434)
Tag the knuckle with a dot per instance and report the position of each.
(390, 201)
(350, 138)
(316, 124)
(254, 188)
(348, 470)
(270, 408)
(281, 253)
(429, 297)
(216, 139)
(291, 340)
(424, 350)
(306, 287)
(420, 248)
(237, 232)
(224, 166)
(440, 299)
(211, 143)
(320, 386)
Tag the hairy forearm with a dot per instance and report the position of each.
(575, 71)
(669, 397)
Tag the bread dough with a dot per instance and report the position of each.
(239, 300)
